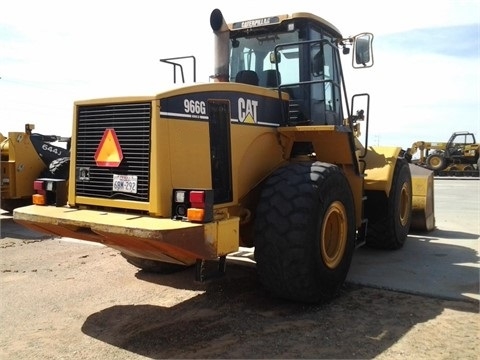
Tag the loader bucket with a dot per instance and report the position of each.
(423, 214)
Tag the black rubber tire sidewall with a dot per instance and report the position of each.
(385, 230)
(441, 162)
(288, 227)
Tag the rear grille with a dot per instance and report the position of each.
(131, 123)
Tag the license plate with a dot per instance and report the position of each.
(125, 183)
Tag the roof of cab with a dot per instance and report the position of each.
(272, 20)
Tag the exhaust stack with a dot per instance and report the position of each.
(221, 56)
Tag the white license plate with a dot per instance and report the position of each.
(125, 183)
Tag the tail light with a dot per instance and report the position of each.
(50, 192)
(192, 205)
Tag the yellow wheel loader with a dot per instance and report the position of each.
(25, 156)
(266, 155)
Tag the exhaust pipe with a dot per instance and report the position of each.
(222, 37)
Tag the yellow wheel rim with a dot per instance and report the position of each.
(333, 239)
(404, 204)
(435, 162)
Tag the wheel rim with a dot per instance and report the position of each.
(435, 162)
(334, 235)
(404, 204)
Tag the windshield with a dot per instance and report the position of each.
(257, 53)
(303, 62)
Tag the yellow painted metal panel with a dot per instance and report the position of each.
(113, 203)
(423, 212)
(146, 236)
(256, 152)
(23, 166)
(379, 167)
(160, 169)
(331, 143)
(228, 236)
(190, 150)
(223, 86)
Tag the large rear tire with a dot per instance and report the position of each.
(305, 232)
(389, 218)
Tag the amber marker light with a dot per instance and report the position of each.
(192, 205)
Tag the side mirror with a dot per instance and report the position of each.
(362, 51)
(274, 59)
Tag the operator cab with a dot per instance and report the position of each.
(297, 54)
(457, 143)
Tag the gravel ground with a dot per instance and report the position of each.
(69, 300)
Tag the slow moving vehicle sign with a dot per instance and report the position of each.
(109, 153)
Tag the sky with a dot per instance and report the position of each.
(424, 85)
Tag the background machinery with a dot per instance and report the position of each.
(267, 155)
(459, 156)
(26, 156)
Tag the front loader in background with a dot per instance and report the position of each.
(267, 155)
(459, 156)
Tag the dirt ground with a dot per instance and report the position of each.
(69, 300)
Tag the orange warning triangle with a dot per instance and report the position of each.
(109, 153)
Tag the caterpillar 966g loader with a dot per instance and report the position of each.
(268, 155)
(25, 157)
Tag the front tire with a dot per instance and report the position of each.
(436, 162)
(389, 218)
(305, 232)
